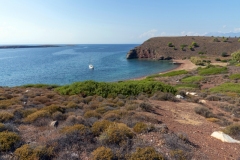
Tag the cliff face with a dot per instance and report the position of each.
(183, 47)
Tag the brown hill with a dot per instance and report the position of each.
(159, 48)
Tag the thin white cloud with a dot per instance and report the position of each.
(236, 29)
(148, 34)
(224, 26)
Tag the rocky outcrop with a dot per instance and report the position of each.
(158, 48)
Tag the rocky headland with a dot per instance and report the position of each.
(166, 48)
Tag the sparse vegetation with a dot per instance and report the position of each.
(90, 88)
(8, 140)
(146, 153)
(233, 129)
(212, 70)
(102, 153)
(173, 73)
(192, 79)
(226, 87)
(170, 44)
(235, 76)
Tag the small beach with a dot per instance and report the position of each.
(183, 65)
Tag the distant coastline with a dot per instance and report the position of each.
(26, 46)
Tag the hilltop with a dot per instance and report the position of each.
(184, 47)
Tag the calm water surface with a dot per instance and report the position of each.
(67, 64)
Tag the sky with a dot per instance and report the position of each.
(112, 21)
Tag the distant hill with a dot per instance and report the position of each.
(230, 34)
(160, 48)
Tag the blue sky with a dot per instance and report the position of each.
(112, 21)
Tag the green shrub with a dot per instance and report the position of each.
(194, 44)
(187, 86)
(80, 128)
(212, 70)
(191, 48)
(90, 114)
(236, 56)
(239, 40)
(26, 152)
(182, 46)
(216, 40)
(235, 76)
(102, 153)
(117, 133)
(140, 127)
(170, 44)
(174, 73)
(224, 54)
(146, 153)
(91, 88)
(201, 53)
(217, 59)
(196, 60)
(100, 126)
(226, 87)
(5, 116)
(192, 79)
(233, 129)
(8, 140)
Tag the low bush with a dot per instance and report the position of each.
(5, 116)
(170, 44)
(100, 126)
(71, 105)
(128, 88)
(2, 127)
(233, 129)
(173, 73)
(8, 140)
(203, 111)
(116, 133)
(146, 107)
(235, 76)
(196, 60)
(194, 44)
(90, 114)
(80, 128)
(224, 54)
(226, 87)
(103, 153)
(212, 70)
(216, 40)
(53, 108)
(146, 153)
(140, 127)
(38, 114)
(217, 59)
(192, 79)
(26, 152)
(178, 154)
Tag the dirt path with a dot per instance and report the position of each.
(181, 118)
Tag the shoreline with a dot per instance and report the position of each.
(183, 65)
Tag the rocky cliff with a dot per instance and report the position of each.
(165, 48)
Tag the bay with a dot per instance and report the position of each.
(69, 63)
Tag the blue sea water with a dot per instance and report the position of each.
(68, 64)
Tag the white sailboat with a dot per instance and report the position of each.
(90, 66)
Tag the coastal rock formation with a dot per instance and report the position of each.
(166, 48)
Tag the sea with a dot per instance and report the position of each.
(70, 63)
